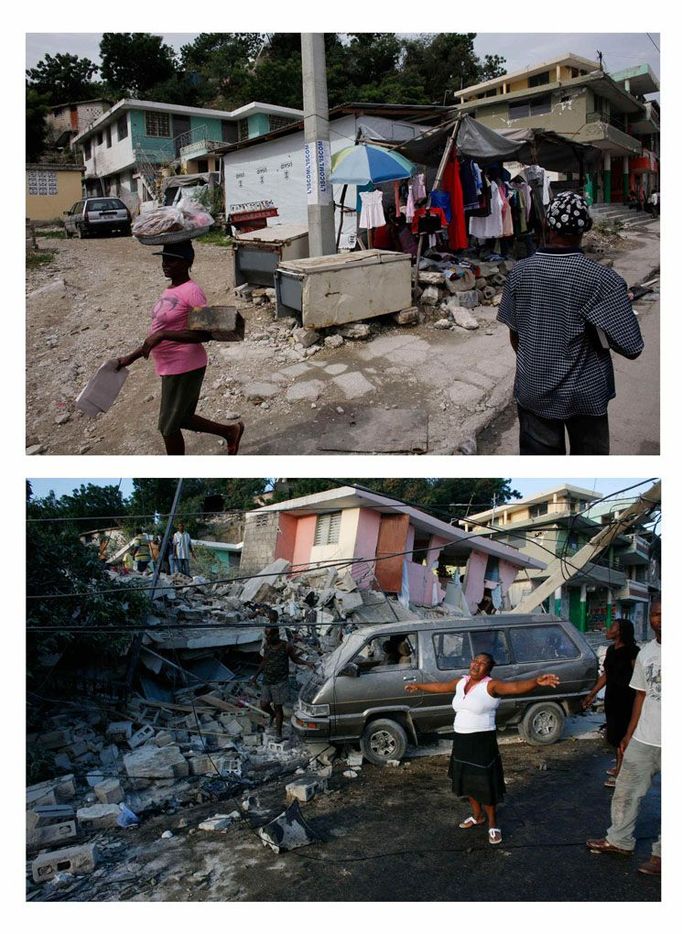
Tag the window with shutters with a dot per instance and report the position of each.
(157, 124)
(122, 127)
(327, 529)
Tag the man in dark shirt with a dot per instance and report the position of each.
(275, 668)
(565, 313)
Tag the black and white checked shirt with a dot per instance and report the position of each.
(554, 300)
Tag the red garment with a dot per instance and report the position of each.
(381, 238)
(458, 238)
(421, 212)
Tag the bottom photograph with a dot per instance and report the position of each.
(343, 690)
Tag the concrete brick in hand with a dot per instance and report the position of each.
(75, 859)
(223, 321)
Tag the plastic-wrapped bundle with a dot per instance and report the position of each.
(194, 215)
(159, 221)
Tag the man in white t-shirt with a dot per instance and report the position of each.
(642, 754)
(182, 549)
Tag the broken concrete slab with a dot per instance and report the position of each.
(220, 821)
(463, 318)
(407, 316)
(52, 792)
(359, 331)
(152, 762)
(288, 831)
(377, 431)
(295, 370)
(465, 394)
(309, 391)
(334, 341)
(306, 336)
(430, 296)
(258, 391)
(353, 385)
(252, 589)
(75, 859)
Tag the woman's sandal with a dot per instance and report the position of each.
(494, 836)
(471, 822)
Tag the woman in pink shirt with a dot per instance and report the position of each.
(179, 357)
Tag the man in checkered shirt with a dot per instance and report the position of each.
(561, 309)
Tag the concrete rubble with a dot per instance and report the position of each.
(192, 731)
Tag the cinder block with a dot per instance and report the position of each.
(98, 816)
(302, 790)
(43, 814)
(51, 792)
(38, 837)
(109, 791)
(223, 321)
(252, 739)
(163, 739)
(201, 765)
(120, 731)
(74, 859)
(141, 737)
(109, 755)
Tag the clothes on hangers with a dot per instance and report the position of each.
(436, 214)
(372, 213)
(485, 228)
(441, 199)
(418, 187)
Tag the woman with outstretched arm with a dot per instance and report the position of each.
(475, 764)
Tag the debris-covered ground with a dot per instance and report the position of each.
(426, 381)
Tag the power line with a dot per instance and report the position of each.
(652, 42)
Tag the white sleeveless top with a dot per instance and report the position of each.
(475, 711)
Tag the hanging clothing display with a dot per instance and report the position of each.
(507, 219)
(471, 183)
(372, 213)
(428, 220)
(409, 207)
(457, 230)
(485, 228)
(418, 187)
(396, 197)
(441, 199)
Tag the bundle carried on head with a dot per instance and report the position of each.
(187, 220)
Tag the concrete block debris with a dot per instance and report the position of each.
(75, 859)
(141, 736)
(52, 792)
(109, 791)
(152, 762)
(350, 773)
(256, 588)
(288, 831)
(120, 731)
(60, 833)
(354, 760)
(306, 336)
(301, 790)
(98, 816)
(220, 822)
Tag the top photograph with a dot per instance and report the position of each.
(342, 243)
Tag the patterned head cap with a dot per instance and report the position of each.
(568, 214)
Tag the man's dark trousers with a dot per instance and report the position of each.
(587, 434)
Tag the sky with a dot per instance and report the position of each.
(620, 50)
(525, 486)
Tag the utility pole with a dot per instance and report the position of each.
(317, 152)
(560, 570)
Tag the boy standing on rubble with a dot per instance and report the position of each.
(275, 668)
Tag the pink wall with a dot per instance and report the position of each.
(305, 536)
(473, 582)
(508, 574)
(366, 539)
(286, 538)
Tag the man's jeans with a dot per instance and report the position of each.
(587, 434)
(183, 566)
(640, 763)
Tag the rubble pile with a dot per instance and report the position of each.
(193, 733)
(452, 290)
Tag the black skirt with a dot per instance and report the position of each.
(476, 767)
(179, 399)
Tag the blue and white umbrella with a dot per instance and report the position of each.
(365, 163)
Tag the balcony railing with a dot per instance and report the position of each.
(600, 116)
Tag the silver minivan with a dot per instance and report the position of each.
(357, 693)
(97, 215)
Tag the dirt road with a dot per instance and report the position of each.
(406, 389)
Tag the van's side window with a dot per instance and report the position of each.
(541, 643)
(387, 652)
(494, 642)
(452, 650)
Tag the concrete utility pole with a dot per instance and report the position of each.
(561, 570)
(317, 152)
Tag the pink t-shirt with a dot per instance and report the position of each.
(170, 314)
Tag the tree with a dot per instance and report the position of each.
(63, 78)
(37, 106)
(89, 507)
(134, 62)
(447, 62)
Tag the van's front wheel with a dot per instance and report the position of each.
(542, 724)
(383, 740)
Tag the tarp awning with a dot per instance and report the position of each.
(476, 141)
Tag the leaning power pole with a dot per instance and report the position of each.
(560, 570)
(317, 152)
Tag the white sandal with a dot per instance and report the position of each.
(471, 822)
(494, 836)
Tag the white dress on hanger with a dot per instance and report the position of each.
(372, 213)
(488, 227)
